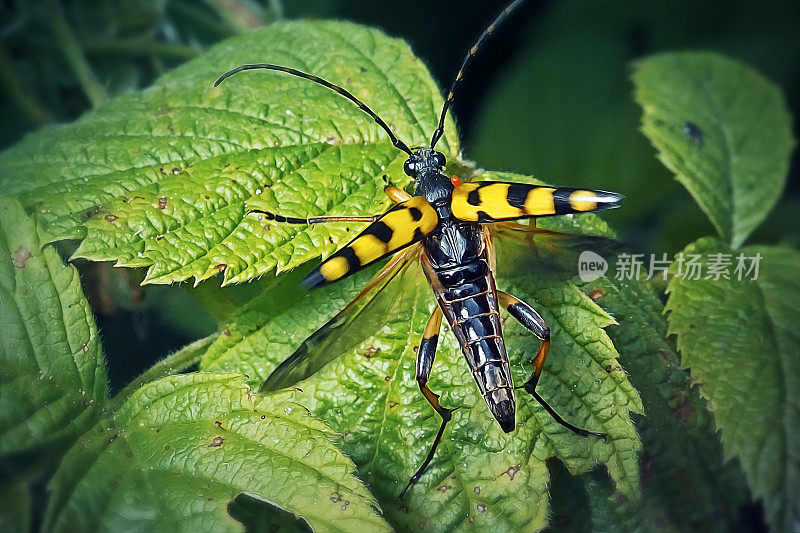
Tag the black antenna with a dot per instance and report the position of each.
(344, 92)
(472, 51)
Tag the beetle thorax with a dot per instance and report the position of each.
(425, 166)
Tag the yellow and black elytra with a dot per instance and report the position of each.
(446, 226)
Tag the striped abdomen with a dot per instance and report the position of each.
(457, 265)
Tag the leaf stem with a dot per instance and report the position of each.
(157, 64)
(192, 14)
(237, 14)
(74, 54)
(172, 364)
(217, 300)
(138, 47)
(19, 94)
(276, 6)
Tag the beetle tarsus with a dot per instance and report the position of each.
(575, 429)
(445, 413)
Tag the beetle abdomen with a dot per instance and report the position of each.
(467, 295)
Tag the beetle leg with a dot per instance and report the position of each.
(312, 220)
(533, 321)
(425, 356)
(397, 195)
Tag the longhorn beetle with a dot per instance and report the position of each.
(450, 226)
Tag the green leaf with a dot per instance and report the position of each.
(163, 178)
(480, 477)
(741, 342)
(686, 483)
(723, 129)
(181, 448)
(52, 372)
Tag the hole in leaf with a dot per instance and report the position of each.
(258, 515)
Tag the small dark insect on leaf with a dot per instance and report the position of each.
(693, 132)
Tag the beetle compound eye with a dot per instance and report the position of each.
(409, 167)
(439, 159)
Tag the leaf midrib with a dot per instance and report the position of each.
(79, 179)
(146, 467)
(719, 118)
(228, 205)
(784, 501)
(782, 392)
(401, 98)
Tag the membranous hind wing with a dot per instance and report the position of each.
(404, 224)
(491, 201)
(530, 251)
(367, 313)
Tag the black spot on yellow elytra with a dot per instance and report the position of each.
(382, 231)
(561, 201)
(517, 193)
(404, 224)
